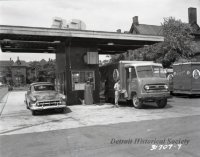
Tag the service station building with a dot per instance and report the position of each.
(77, 53)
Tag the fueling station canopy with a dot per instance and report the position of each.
(46, 40)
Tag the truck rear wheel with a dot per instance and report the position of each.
(136, 102)
(161, 103)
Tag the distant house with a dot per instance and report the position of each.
(144, 29)
(137, 28)
(5, 70)
(19, 72)
(14, 72)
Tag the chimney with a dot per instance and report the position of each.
(192, 15)
(135, 20)
(119, 31)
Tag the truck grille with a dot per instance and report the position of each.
(157, 87)
(49, 103)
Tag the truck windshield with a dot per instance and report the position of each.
(150, 71)
(43, 87)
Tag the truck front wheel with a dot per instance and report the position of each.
(137, 102)
(161, 103)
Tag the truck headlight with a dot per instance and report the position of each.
(166, 86)
(146, 87)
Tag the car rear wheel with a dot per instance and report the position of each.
(161, 103)
(137, 103)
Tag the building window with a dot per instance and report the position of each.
(80, 78)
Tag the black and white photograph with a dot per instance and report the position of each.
(99, 78)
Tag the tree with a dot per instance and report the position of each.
(117, 57)
(49, 68)
(177, 41)
(35, 67)
(7, 75)
(177, 44)
(43, 70)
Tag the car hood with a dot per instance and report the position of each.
(47, 95)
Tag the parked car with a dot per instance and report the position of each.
(42, 96)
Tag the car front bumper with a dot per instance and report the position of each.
(35, 106)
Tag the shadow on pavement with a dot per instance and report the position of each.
(145, 105)
(187, 96)
(53, 111)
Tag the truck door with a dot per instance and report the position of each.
(128, 78)
(195, 77)
(131, 81)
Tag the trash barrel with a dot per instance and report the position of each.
(88, 96)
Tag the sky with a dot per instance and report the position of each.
(100, 15)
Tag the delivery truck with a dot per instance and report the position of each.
(141, 80)
(186, 79)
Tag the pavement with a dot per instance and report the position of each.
(93, 130)
(16, 119)
(3, 91)
(3, 96)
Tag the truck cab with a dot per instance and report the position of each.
(143, 81)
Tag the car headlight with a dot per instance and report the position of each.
(166, 86)
(146, 87)
(34, 99)
(63, 97)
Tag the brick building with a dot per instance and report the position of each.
(13, 72)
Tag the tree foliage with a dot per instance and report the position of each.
(178, 38)
(177, 44)
(42, 70)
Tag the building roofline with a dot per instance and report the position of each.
(72, 33)
(186, 63)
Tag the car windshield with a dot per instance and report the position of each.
(43, 87)
(150, 71)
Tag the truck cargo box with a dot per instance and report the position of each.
(186, 78)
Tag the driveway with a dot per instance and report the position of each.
(16, 119)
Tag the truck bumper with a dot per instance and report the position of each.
(154, 96)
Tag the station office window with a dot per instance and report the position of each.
(80, 78)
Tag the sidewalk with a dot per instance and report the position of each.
(3, 97)
(3, 92)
